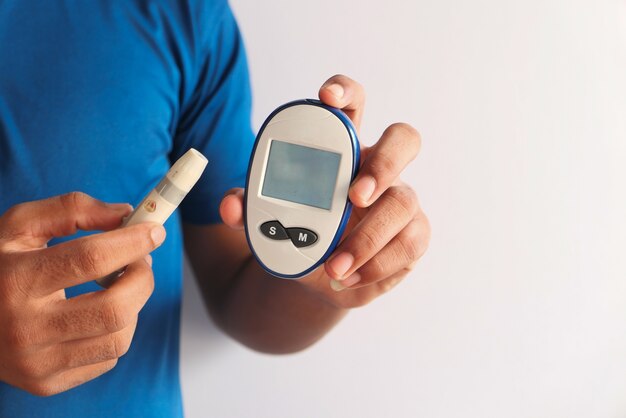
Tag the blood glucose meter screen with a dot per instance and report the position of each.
(301, 174)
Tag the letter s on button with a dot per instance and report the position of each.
(274, 230)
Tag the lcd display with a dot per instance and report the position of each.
(301, 174)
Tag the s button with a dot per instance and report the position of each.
(274, 230)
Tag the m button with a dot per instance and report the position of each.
(301, 237)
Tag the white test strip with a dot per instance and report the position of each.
(163, 200)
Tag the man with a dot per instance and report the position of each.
(101, 96)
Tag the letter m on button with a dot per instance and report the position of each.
(301, 237)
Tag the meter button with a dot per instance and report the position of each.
(274, 230)
(302, 237)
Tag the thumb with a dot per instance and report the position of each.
(231, 208)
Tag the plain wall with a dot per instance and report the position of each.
(518, 309)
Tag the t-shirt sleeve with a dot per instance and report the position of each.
(216, 120)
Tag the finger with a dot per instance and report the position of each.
(73, 354)
(88, 258)
(231, 208)
(97, 313)
(399, 145)
(346, 94)
(69, 355)
(392, 281)
(35, 223)
(70, 378)
(399, 254)
(358, 297)
(384, 220)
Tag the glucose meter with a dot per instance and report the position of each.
(296, 204)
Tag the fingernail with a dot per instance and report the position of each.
(158, 235)
(336, 90)
(364, 188)
(340, 264)
(148, 259)
(120, 207)
(336, 285)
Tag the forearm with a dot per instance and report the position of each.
(261, 311)
(270, 314)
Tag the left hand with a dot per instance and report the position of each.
(387, 232)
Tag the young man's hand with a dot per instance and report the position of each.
(49, 343)
(387, 232)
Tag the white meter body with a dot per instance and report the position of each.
(296, 198)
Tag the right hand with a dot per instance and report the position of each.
(48, 343)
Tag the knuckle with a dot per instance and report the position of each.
(114, 316)
(381, 165)
(115, 346)
(29, 369)
(368, 239)
(109, 365)
(110, 316)
(15, 284)
(47, 264)
(55, 267)
(41, 388)
(375, 267)
(386, 285)
(17, 337)
(122, 344)
(74, 201)
(13, 214)
(110, 349)
(404, 199)
(414, 240)
(103, 350)
(90, 260)
(66, 359)
(410, 247)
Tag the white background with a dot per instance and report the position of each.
(519, 307)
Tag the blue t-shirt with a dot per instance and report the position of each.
(101, 96)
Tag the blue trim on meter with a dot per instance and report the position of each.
(356, 152)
